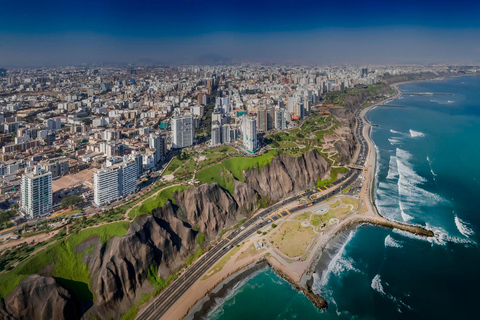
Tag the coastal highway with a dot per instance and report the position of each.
(168, 297)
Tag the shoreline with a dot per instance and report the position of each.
(200, 308)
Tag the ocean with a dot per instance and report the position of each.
(427, 174)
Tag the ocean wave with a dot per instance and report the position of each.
(377, 285)
(343, 265)
(409, 182)
(392, 168)
(442, 237)
(394, 141)
(392, 243)
(229, 299)
(464, 227)
(397, 132)
(405, 217)
(336, 260)
(416, 134)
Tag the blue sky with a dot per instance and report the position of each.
(186, 31)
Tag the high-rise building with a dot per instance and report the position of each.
(270, 118)
(249, 130)
(226, 133)
(36, 192)
(158, 143)
(114, 182)
(280, 121)
(262, 119)
(216, 134)
(364, 72)
(3, 72)
(183, 132)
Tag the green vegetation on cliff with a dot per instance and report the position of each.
(158, 201)
(67, 264)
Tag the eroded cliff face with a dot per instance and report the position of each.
(346, 146)
(119, 269)
(286, 175)
(40, 298)
(208, 207)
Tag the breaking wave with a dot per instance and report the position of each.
(392, 170)
(394, 141)
(464, 227)
(392, 243)
(377, 284)
(405, 217)
(338, 264)
(416, 134)
(409, 183)
(394, 131)
(378, 287)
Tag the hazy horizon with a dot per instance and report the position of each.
(191, 32)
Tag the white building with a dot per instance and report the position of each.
(157, 143)
(36, 192)
(249, 130)
(114, 182)
(183, 132)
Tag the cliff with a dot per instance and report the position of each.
(345, 146)
(286, 175)
(39, 298)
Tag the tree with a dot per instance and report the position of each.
(70, 201)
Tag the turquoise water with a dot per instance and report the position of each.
(428, 174)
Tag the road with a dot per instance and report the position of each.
(167, 298)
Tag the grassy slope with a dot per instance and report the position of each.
(68, 265)
(159, 201)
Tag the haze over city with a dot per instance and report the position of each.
(58, 32)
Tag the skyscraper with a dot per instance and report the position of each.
(36, 192)
(183, 132)
(262, 119)
(249, 129)
(157, 142)
(216, 134)
(280, 121)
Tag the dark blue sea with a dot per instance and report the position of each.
(428, 173)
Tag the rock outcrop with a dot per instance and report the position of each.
(208, 207)
(345, 146)
(287, 175)
(40, 298)
(119, 269)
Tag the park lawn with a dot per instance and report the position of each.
(217, 173)
(238, 164)
(315, 220)
(158, 201)
(174, 165)
(351, 201)
(292, 239)
(68, 268)
(304, 216)
(220, 264)
(188, 167)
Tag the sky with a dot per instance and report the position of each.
(65, 32)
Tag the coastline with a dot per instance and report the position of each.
(199, 308)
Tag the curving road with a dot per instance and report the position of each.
(168, 297)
